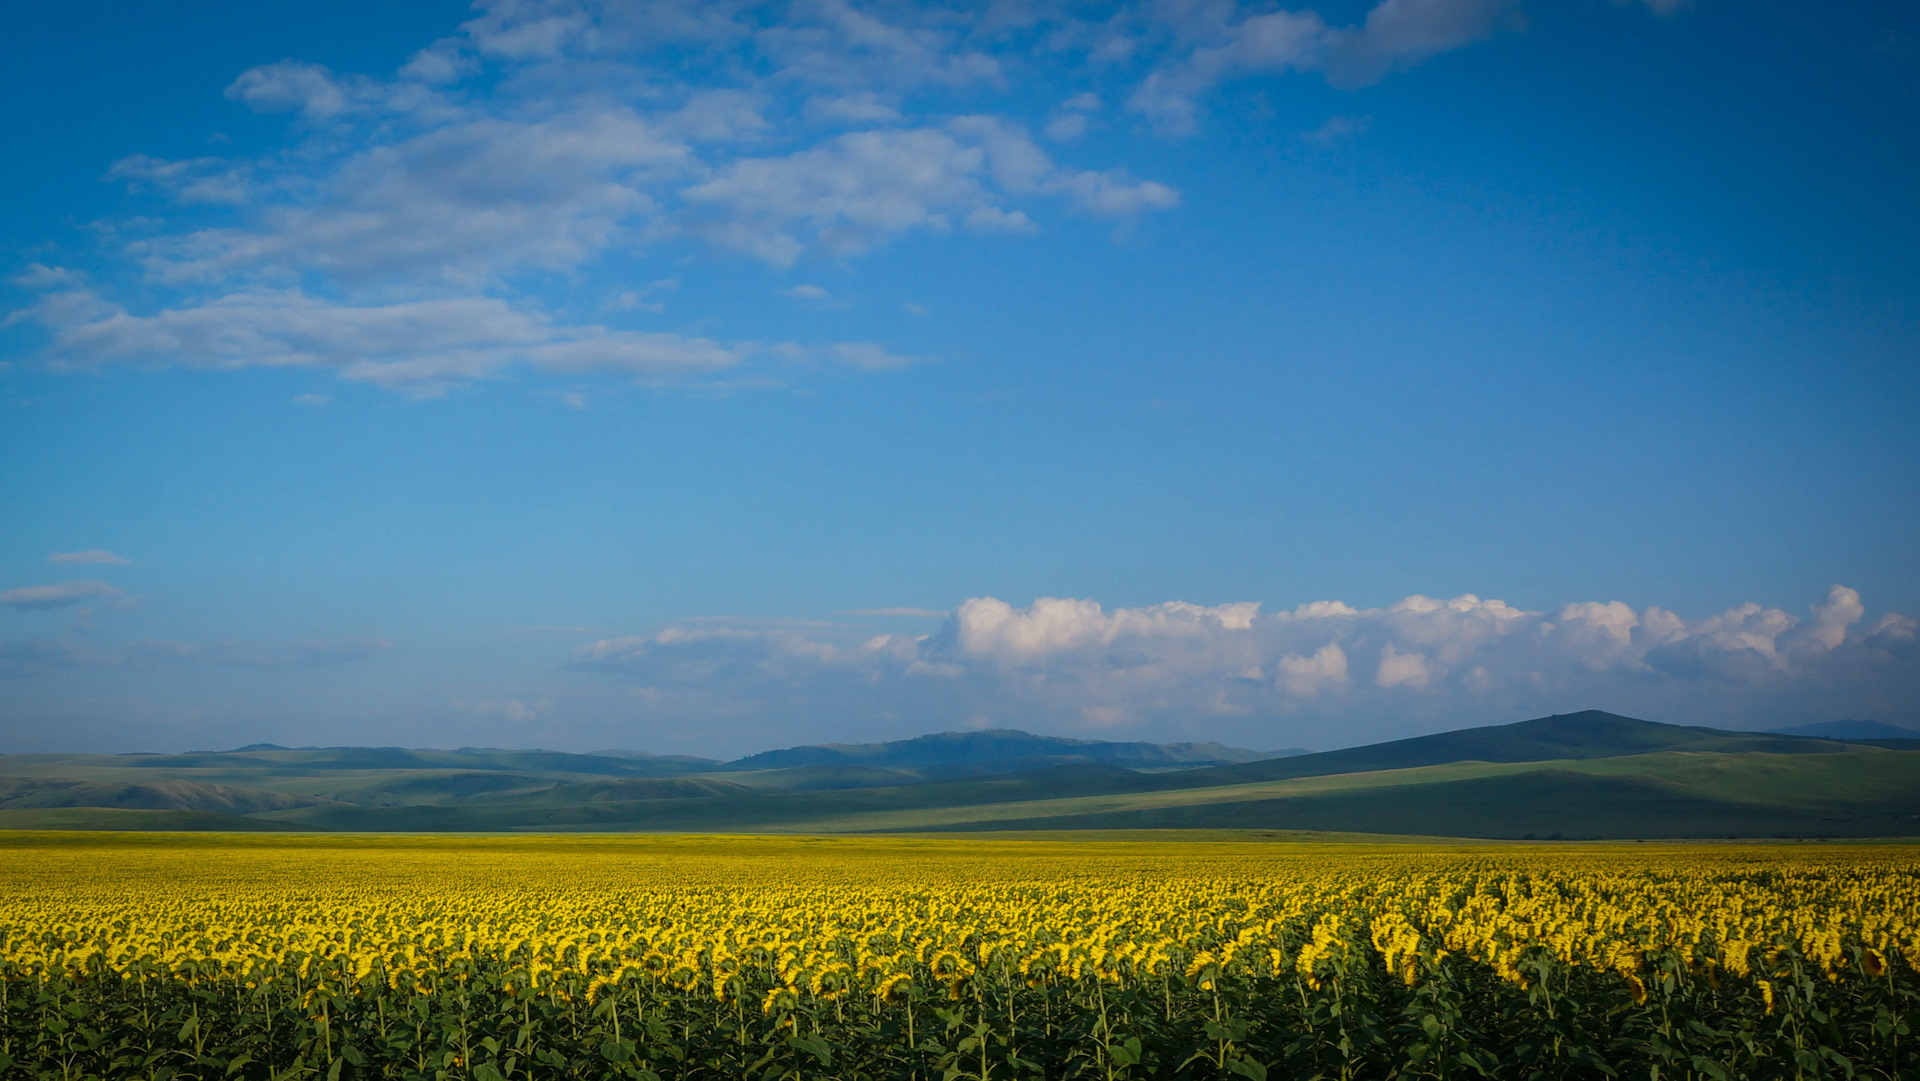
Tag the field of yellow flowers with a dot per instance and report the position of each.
(504, 958)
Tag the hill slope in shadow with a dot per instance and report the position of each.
(1589, 774)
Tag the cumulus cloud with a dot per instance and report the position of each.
(56, 595)
(1306, 677)
(1402, 669)
(1320, 671)
(91, 555)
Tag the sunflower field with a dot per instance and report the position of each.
(682, 958)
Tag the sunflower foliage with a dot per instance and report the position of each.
(669, 960)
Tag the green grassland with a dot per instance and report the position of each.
(1581, 776)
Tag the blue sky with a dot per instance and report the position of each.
(711, 377)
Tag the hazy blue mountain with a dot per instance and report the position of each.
(996, 750)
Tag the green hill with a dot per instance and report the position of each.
(1589, 734)
(998, 750)
(1578, 775)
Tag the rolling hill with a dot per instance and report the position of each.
(1850, 730)
(1582, 775)
(998, 750)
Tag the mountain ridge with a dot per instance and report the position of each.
(1577, 775)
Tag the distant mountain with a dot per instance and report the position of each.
(311, 759)
(1848, 730)
(1578, 775)
(996, 750)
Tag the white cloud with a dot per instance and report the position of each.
(292, 86)
(806, 292)
(1395, 35)
(1272, 42)
(543, 140)
(832, 43)
(463, 203)
(419, 347)
(1071, 119)
(56, 595)
(1069, 663)
(1305, 677)
(198, 180)
(91, 555)
(1831, 618)
(1338, 129)
(853, 109)
(512, 709)
(1402, 669)
(863, 356)
(1398, 34)
(1660, 7)
(857, 189)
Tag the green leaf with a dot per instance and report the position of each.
(485, 1072)
(616, 1050)
(1247, 1068)
(814, 1045)
(233, 1067)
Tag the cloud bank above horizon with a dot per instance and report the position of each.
(1318, 675)
(1184, 670)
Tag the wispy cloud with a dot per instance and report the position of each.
(512, 709)
(244, 654)
(91, 555)
(38, 656)
(1337, 130)
(419, 347)
(56, 595)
